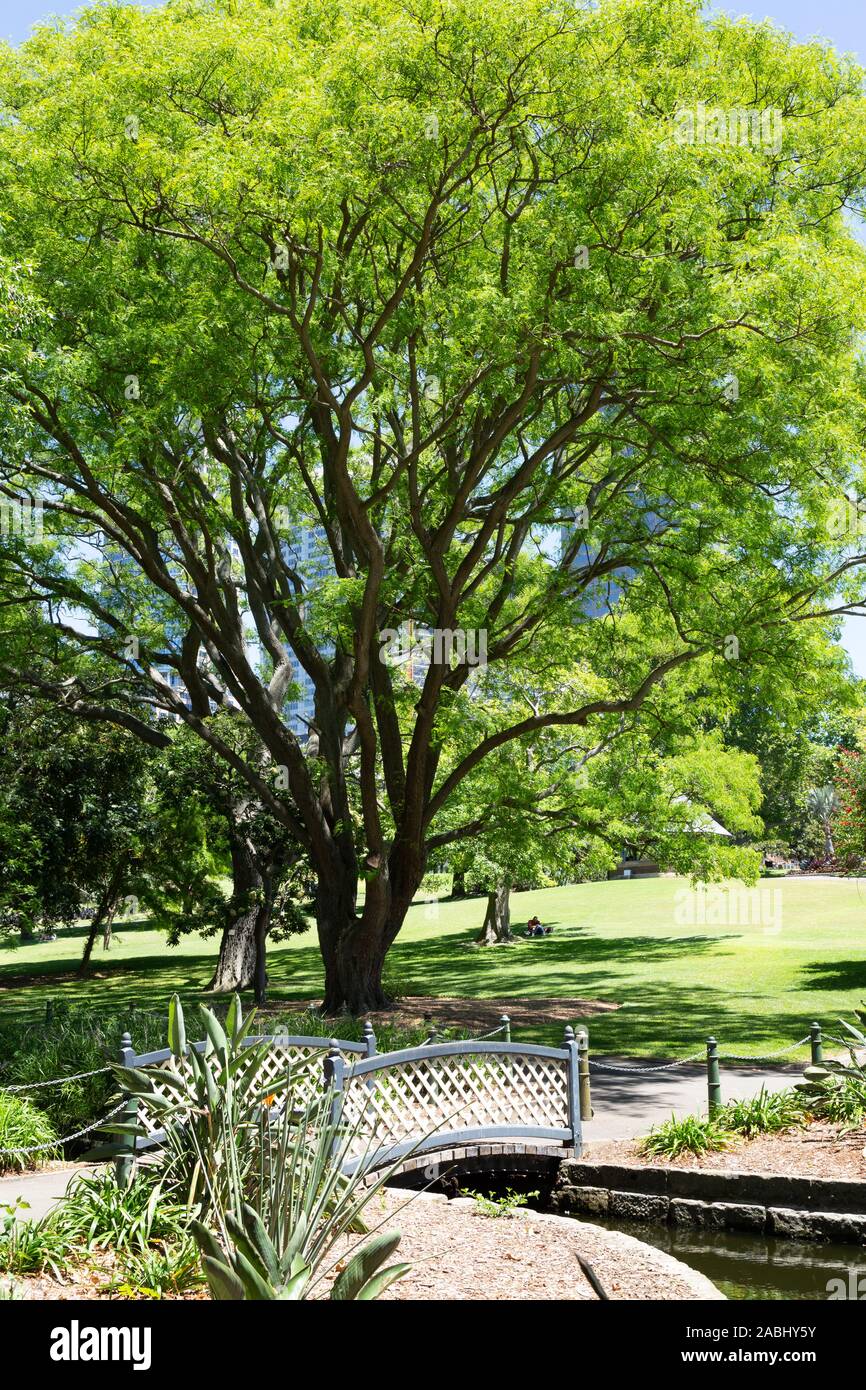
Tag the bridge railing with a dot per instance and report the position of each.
(416, 1099)
(444, 1094)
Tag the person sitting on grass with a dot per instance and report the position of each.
(534, 927)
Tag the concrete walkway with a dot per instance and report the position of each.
(628, 1104)
(42, 1190)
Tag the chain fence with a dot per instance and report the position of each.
(700, 1057)
(55, 1081)
(66, 1138)
(503, 1028)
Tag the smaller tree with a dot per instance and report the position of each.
(208, 830)
(71, 810)
(823, 804)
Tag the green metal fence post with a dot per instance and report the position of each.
(125, 1161)
(714, 1080)
(817, 1044)
(583, 1073)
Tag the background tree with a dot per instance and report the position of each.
(71, 818)
(449, 283)
(824, 805)
(208, 829)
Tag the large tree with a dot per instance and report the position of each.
(441, 279)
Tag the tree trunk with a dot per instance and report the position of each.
(458, 883)
(353, 950)
(263, 926)
(102, 917)
(241, 961)
(829, 847)
(496, 926)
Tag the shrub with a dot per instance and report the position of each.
(74, 1041)
(248, 1265)
(30, 1247)
(389, 1037)
(165, 1267)
(264, 1161)
(836, 1091)
(694, 1134)
(98, 1214)
(766, 1113)
(491, 1205)
(21, 1127)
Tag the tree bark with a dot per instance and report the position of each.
(458, 883)
(353, 950)
(104, 914)
(496, 926)
(242, 949)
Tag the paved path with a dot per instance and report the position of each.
(628, 1104)
(41, 1190)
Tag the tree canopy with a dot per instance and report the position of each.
(447, 282)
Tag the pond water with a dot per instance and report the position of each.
(753, 1266)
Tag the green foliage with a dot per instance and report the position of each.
(163, 1268)
(263, 1161)
(693, 1134)
(836, 1091)
(74, 1040)
(31, 1247)
(71, 811)
(311, 1023)
(21, 1127)
(98, 1214)
(390, 330)
(491, 1205)
(140, 1227)
(212, 1116)
(253, 1268)
(769, 1112)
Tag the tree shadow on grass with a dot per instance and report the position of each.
(835, 975)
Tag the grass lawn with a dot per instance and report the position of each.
(755, 982)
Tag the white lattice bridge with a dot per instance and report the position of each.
(420, 1099)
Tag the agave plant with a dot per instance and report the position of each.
(212, 1116)
(253, 1268)
(245, 1146)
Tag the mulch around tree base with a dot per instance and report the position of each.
(479, 1015)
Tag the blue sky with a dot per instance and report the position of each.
(842, 22)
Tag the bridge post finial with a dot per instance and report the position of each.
(369, 1038)
(569, 1033)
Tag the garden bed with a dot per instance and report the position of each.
(456, 1252)
(819, 1151)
